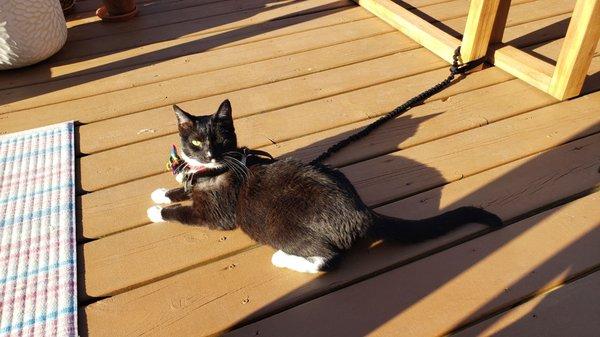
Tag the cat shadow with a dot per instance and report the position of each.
(388, 278)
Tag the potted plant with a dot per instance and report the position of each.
(117, 10)
(30, 31)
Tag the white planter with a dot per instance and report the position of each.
(30, 31)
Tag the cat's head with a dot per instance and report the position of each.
(206, 139)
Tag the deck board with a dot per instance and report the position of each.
(545, 316)
(302, 75)
(268, 289)
(185, 66)
(452, 287)
(261, 98)
(378, 181)
(266, 128)
(169, 12)
(113, 64)
(60, 90)
(97, 223)
(236, 21)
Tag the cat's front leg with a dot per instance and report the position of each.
(166, 196)
(177, 212)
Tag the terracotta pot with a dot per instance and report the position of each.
(119, 7)
(117, 10)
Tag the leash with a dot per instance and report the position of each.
(455, 69)
(250, 157)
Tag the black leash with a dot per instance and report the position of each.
(250, 157)
(455, 69)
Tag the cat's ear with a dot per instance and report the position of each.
(224, 112)
(183, 117)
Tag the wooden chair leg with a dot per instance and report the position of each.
(485, 25)
(577, 51)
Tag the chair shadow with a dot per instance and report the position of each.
(142, 39)
(390, 298)
(542, 36)
(541, 275)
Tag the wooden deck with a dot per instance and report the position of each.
(301, 75)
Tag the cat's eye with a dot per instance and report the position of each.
(197, 143)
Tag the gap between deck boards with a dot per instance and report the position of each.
(417, 179)
(457, 25)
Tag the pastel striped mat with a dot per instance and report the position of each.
(38, 292)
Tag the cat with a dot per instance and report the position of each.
(310, 213)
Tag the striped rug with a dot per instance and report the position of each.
(38, 293)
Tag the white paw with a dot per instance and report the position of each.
(311, 264)
(159, 196)
(154, 214)
(179, 177)
(279, 259)
(316, 264)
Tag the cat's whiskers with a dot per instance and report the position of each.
(181, 168)
(237, 166)
(233, 168)
(239, 163)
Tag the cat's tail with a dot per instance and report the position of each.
(413, 231)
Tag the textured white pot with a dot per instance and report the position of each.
(30, 31)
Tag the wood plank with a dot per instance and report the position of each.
(68, 88)
(515, 188)
(269, 128)
(409, 171)
(411, 25)
(112, 64)
(201, 63)
(571, 310)
(464, 282)
(391, 136)
(520, 13)
(87, 8)
(242, 21)
(165, 13)
(101, 217)
(100, 170)
(105, 276)
(486, 18)
(422, 124)
(195, 86)
(124, 206)
(215, 292)
(510, 59)
(118, 131)
(578, 50)
(444, 43)
(500, 22)
(534, 71)
(251, 73)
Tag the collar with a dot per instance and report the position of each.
(246, 156)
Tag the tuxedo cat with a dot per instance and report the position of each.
(310, 213)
